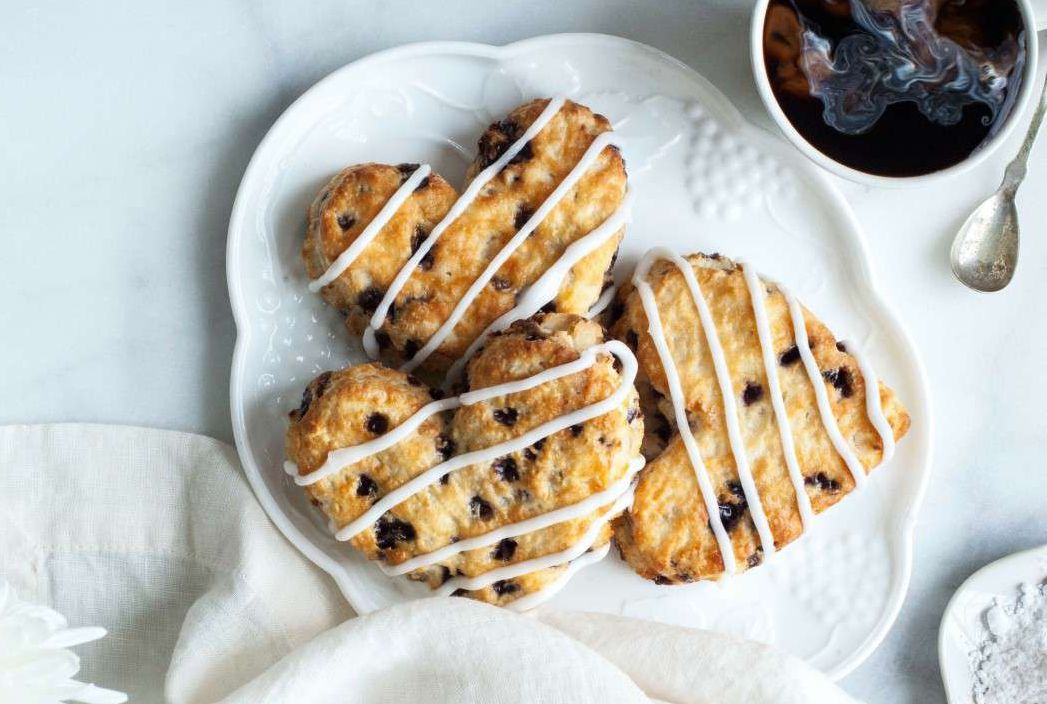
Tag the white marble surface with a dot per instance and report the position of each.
(125, 127)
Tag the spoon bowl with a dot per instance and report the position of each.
(985, 252)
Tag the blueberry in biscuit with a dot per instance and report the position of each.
(758, 418)
(497, 494)
(423, 273)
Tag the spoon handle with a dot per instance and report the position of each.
(1017, 168)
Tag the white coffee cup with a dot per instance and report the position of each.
(1030, 88)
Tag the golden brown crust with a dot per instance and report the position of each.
(353, 197)
(666, 536)
(564, 469)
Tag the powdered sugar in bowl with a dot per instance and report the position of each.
(992, 645)
(1010, 665)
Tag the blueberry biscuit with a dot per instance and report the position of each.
(422, 272)
(498, 496)
(778, 411)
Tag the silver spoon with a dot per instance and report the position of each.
(984, 254)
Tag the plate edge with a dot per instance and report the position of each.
(841, 206)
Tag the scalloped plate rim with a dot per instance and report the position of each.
(902, 537)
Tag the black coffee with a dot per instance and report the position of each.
(895, 87)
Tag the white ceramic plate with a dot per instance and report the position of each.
(703, 179)
(963, 625)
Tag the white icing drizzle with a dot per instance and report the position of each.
(676, 395)
(619, 494)
(770, 365)
(873, 402)
(337, 460)
(432, 475)
(346, 258)
(545, 288)
(562, 189)
(602, 302)
(342, 457)
(540, 563)
(459, 207)
(566, 513)
(543, 595)
(730, 406)
(832, 426)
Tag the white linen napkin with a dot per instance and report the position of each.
(156, 536)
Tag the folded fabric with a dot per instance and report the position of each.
(441, 650)
(459, 650)
(689, 666)
(156, 536)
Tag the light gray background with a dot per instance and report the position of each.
(125, 128)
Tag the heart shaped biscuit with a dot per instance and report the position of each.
(778, 424)
(423, 272)
(498, 494)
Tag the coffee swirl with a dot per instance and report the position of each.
(902, 56)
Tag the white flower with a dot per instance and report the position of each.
(35, 665)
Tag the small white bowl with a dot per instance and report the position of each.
(962, 626)
(1030, 87)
